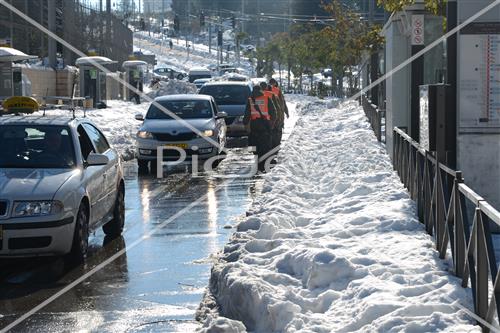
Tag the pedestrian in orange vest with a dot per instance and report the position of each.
(260, 113)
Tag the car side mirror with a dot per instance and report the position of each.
(221, 115)
(97, 159)
(139, 116)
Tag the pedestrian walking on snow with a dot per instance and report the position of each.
(280, 119)
(260, 113)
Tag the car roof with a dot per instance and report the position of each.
(47, 120)
(35, 119)
(193, 97)
(228, 83)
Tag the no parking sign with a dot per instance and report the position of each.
(417, 30)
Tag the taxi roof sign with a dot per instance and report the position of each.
(20, 104)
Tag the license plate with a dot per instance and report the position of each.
(178, 145)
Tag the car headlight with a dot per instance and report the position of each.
(36, 208)
(207, 133)
(144, 135)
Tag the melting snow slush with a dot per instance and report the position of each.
(333, 244)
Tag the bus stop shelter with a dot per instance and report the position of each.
(93, 79)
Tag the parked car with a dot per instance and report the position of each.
(229, 70)
(169, 73)
(200, 82)
(197, 73)
(161, 129)
(59, 180)
(231, 97)
(327, 72)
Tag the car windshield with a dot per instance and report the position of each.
(31, 146)
(227, 94)
(182, 109)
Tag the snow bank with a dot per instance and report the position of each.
(117, 123)
(173, 87)
(332, 244)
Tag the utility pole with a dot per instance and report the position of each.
(452, 68)
(371, 11)
(189, 24)
(108, 28)
(243, 15)
(52, 27)
(162, 14)
(11, 26)
(210, 38)
(258, 22)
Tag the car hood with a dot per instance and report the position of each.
(33, 184)
(174, 126)
(233, 110)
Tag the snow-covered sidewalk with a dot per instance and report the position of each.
(333, 244)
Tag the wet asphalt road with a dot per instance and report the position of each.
(158, 283)
(154, 287)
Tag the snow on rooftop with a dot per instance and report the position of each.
(333, 244)
(8, 54)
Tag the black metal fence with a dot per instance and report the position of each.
(458, 218)
(376, 118)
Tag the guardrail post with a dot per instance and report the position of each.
(459, 235)
(379, 126)
(481, 268)
(440, 209)
(395, 150)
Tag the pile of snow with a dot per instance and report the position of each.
(117, 122)
(333, 244)
(172, 87)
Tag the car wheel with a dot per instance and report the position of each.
(180, 77)
(115, 226)
(81, 236)
(154, 167)
(143, 166)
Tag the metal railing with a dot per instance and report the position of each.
(457, 217)
(375, 117)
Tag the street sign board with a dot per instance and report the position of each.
(479, 72)
(417, 30)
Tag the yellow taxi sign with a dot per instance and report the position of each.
(20, 104)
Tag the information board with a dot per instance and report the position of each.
(479, 73)
(5, 79)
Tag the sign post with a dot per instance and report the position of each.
(417, 72)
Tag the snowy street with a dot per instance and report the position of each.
(249, 166)
(333, 244)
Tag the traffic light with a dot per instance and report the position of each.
(177, 24)
(233, 22)
(202, 19)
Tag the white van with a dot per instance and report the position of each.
(196, 73)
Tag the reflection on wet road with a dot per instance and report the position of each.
(155, 286)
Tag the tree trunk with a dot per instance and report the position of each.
(312, 82)
(281, 79)
(289, 74)
(333, 83)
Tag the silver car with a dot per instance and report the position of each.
(59, 180)
(159, 129)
